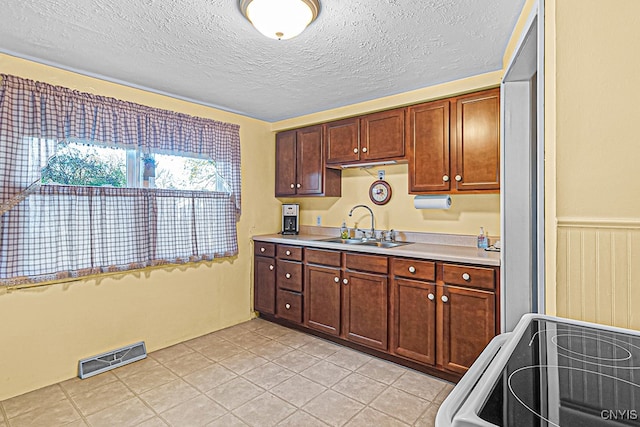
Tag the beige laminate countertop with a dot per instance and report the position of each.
(438, 252)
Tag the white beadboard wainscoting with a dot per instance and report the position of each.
(598, 270)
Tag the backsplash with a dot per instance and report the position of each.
(467, 214)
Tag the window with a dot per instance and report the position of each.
(90, 164)
(90, 184)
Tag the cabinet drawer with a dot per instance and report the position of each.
(372, 263)
(289, 306)
(463, 275)
(414, 269)
(293, 253)
(289, 275)
(264, 249)
(322, 257)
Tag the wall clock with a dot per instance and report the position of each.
(380, 192)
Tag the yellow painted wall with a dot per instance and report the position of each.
(468, 212)
(46, 330)
(595, 86)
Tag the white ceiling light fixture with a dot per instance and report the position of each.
(280, 19)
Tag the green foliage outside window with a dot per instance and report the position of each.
(87, 167)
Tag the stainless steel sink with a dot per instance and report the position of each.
(343, 241)
(365, 242)
(384, 244)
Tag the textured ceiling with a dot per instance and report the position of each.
(207, 52)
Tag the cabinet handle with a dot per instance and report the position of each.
(298, 185)
(336, 279)
(287, 306)
(262, 249)
(271, 267)
(444, 298)
(293, 186)
(445, 178)
(288, 276)
(345, 281)
(364, 150)
(288, 253)
(466, 276)
(412, 269)
(458, 178)
(355, 150)
(431, 296)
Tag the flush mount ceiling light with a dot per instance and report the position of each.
(280, 19)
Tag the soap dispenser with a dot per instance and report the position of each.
(344, 231)
(483, 241)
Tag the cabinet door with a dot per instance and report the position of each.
(264, 283)
(365, 302)
(309, 165)
(428, 139)
(477, 142)
(343, 141)
(468, 322)
(414, 320)
(322, 299)
(286, 163)
(382, 136)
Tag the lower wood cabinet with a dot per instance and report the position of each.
(322, 299)
(440, 324)
(289, 305)
(414, 320)
(468, 324)
(365, 312)
(264, 284)
(431, 314)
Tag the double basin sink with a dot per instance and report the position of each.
(360, 242)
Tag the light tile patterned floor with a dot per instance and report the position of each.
(253, 374)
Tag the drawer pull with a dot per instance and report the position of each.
(364, 149)
(431, 296)
(287, 253)
(444, 298)
(293, 186)
(458, 178)
(336, 279)
(412, 269)
(445, 178)
(466, 276)
(298, 185)
(287, 306)
(262, 249)
(271, 268)
(355, 150)
(288, 275)
(345, 281)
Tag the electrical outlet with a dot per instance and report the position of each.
(318, 220)
(381, 174)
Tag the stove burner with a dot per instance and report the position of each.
(620, 351)
(595, 341)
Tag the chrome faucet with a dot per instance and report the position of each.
(373, 230)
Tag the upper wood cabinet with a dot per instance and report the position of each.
(343, 141)
(374, 137)
(428, 135)
(300, 168)
(477, 141)
(454, 144)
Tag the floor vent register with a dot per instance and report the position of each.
(106, 361)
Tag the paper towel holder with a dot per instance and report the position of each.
(439, 201)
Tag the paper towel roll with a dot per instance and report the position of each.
(432, 202)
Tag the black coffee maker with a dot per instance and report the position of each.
(290, 218)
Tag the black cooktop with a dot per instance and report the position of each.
(567, 375)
